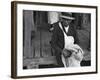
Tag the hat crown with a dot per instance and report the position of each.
(66, 14)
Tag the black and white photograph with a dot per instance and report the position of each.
(56, 39)
(53, 39)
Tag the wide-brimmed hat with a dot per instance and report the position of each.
(67, 15)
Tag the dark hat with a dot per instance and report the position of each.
(67, 15)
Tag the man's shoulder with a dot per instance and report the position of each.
(56, 25)
(72, 26)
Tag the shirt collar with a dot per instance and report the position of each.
(60, 25)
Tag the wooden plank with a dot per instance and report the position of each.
(40, 61)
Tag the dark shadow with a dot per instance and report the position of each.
(86, 63)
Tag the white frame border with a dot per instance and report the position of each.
(35, 72)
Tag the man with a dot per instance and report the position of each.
(60, 38)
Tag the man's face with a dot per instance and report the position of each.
(66, 22)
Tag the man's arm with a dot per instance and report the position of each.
(54, 40)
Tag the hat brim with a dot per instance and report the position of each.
(67, 17)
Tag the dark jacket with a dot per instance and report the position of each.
(57, 41)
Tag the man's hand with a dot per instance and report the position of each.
(72, 49)
(66, 53)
